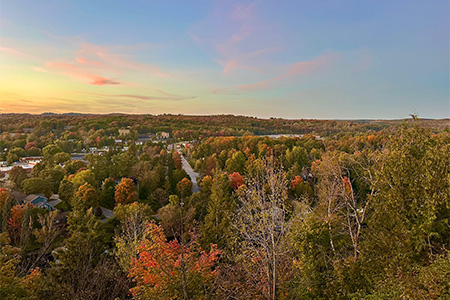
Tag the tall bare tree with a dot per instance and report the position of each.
(262, 222)
(344, 210)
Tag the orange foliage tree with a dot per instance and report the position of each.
(169, 269)
(88, 194)
(347, 185)
(184, 187)
(125, 191)
(296, 182)
(4, 193)
(15, 221)
(300, 187)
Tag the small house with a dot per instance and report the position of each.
(124, 131)
(38, 200)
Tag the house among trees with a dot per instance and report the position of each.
(32, 160)
(124, 131)
(164, 135)
(38, 200)
(28, 130)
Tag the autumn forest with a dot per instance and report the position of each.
(223, 207)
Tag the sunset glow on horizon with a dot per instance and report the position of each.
(291, 59)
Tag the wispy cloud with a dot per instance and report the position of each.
(85, 61)
(298, 68)
(96, 64)
(232, 32)
(12, 51)
(118, 60)
(164, 96)
(232, 64)
(39, 69)
(104, 81)
(78, 71)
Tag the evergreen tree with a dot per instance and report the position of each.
(221, 206)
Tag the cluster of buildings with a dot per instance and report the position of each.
(26, 163)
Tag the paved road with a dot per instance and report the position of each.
(187, 167)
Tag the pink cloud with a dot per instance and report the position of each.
(12, 51)
(265, 51)
(82, 60)
(232, 64)
(298, 68)
(232, 32)
(243, 11)
(94, 64)
(79, 72)
(118, 60)
(103, 81)
(310, 66)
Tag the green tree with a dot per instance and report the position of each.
(221, 207)
(236, 163)
(11, 285)
(107, 193)
(74, 166)
(12, 157)
(34, 151)
(37, 185)
(66, 191)
(297, 155)
(85, 176)
(18, 151)
(82, 267)
(49, 152)
(176, 218)
(17, 175)
(53, 177)
(62, 157)
(411, 209)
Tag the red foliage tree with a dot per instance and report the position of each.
(30, 145)
(169, 270)
(176, 160)
(236, 180)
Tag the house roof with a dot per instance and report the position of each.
(35, 199)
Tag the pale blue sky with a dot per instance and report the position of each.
(293, 59)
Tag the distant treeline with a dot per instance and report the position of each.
(189, 127)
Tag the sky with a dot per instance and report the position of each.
(281, 58)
